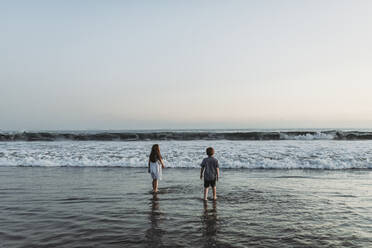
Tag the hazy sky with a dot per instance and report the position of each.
(185, 64)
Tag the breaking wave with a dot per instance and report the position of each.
(185, 135)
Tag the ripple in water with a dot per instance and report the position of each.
(112, 207)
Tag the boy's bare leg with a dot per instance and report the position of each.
(214, 193)
(205, 193)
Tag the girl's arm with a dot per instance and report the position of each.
(162, 164)
(148, 166)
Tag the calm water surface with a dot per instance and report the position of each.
(113, 207)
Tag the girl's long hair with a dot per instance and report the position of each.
(155, 153)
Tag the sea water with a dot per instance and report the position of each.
(114, 207)
(308, 190)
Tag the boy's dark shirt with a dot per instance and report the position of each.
(210, 166)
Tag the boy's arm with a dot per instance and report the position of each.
(202, 169)
(218, 173)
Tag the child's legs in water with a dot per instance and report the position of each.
(155, 185)
(214, 193)
(208, 184)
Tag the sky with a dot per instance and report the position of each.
(72, 65)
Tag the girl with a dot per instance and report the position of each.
(155, 165)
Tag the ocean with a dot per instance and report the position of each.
(278, 188)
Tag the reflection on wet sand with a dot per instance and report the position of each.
(154, 233)
(210, 225)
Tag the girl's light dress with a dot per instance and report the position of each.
(155, 170)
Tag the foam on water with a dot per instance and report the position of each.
(308, 136)
(283, 154)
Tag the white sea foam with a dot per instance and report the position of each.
(308, 136)
(284, 154)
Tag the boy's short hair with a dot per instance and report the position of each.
(210, 151)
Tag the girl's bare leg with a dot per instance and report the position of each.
(155, 185)
(205, 193)
(214, 193)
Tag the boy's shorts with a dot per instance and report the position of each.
(208, 183)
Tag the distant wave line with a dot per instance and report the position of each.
(181, 135)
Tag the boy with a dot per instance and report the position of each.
(211, 171)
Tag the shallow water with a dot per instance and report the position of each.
(113, 207)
